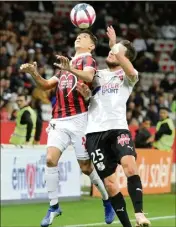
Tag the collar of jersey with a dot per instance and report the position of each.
(81, 55)
(114, 71)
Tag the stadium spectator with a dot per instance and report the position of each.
(165, 131)
(143, 138)
(152, 114)
(25, 123)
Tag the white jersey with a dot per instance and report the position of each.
(110, 93)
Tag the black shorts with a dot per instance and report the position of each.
(107, 148)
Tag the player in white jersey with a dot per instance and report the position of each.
(109, 141)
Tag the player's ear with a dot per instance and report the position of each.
(92, 47)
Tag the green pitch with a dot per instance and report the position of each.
(160, 208)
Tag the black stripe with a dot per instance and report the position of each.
(76, 101)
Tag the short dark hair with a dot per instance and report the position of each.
(23, 95)
(164, 108)
(131, 52)
(146, 119)
(92, 36)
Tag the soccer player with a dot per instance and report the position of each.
(69, 120)
(109, 141)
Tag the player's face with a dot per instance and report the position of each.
(111, 60)
(83, 41)
(163, 114)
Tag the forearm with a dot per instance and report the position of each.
(86, 76)
(41, 82)
(126, 66)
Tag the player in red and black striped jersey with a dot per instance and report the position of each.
(69, 121)
(69, 102)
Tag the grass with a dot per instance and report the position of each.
(87, 210)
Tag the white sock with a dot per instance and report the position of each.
(95, 179)
(52, 184)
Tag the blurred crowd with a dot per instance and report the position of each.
(23, 41)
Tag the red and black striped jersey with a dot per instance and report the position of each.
(69, 101)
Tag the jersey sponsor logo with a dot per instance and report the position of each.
(67, 81)
(123, 139)
(110, 88)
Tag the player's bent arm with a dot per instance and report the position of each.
(124, 62)
(85, 75)
(127, 67)
(44, 84)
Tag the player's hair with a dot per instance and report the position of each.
(131, 52)
(23, 95)
(92, 36)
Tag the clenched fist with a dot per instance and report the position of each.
(29, 68)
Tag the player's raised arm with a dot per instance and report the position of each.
(125, 54)
(87, 74)
(41, 82)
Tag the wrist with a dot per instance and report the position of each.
(35, 74)
(117, 48)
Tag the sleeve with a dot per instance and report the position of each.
(135, 80)
(26, 120)
(89, 63)
(164, 129)
(57, 75)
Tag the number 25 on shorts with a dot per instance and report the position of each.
(97, 156)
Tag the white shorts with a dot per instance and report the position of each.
(69, 131)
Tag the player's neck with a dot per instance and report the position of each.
(81, 51)
(113, 69)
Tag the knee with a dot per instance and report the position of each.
(129, 165)
(50, 162)
(130, 170)
(86, 167)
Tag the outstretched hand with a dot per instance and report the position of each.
(29, 68)
(112, 36)
(63, 64)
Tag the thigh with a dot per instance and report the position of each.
(57, 137)
(123, 144)
(99, 149)
(79, 143)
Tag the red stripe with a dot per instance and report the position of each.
(82, 104)
(71, 103)
(62, 103)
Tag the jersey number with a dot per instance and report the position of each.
(97, 156)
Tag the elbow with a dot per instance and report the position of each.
(89, 78)
(46, 87)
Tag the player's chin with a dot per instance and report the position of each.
(77, 45)
(111, 63)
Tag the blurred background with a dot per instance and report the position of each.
(37, 31)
